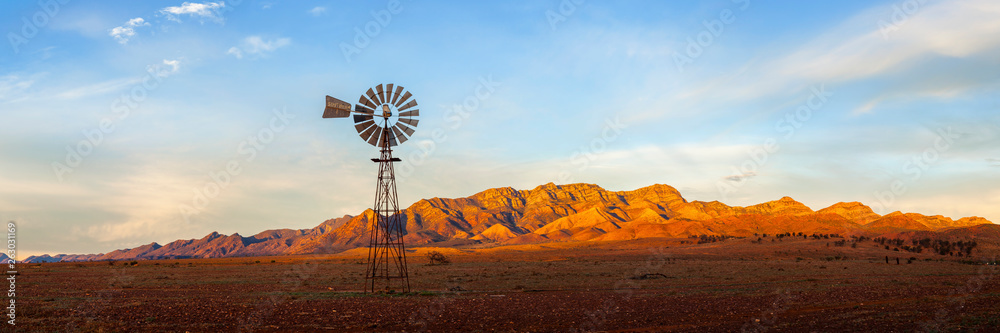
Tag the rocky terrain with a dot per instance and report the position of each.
(574, 212)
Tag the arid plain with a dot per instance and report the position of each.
(645, 285)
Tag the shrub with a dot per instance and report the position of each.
(437, 258)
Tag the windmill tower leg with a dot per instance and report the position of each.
(386, 253)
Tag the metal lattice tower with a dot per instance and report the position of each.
(378, 125)
(386, 253)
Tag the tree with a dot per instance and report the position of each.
(437, 258)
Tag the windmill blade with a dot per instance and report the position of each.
(395, 96)
(408, 105)
(373, 140)
(358, 118)
(366, 102)
(405, 97)
(367, 134)
(372, 96)
(336, 108)
(363, 109)
(406, 129)
(362, 126)
(399, 134)
(408, 121)
(412, 113)
(388, 93)
(381, 94)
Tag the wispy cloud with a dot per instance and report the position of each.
(142, 199)
(167, 68)
(955, 29)
(317, 11)
(208, 10)
(175, 65)
(257, 46)
(13, 86)
(125, 32)
(741, 177)
(914, 61)
(99, 88)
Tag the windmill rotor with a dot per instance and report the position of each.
(386, 112)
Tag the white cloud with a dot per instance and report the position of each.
(144, 201)
(954, 29)
(912, 59)
(868, 106)
(258, 45)
(99, 88)
(12, 86)
(208, 10)
(317, 11)
(255, 45)
(125, 32)
(175, 65)
(236, 52)
(957, 29)
(167, 68)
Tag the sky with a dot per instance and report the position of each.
(125, 123)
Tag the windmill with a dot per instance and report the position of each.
(385, 116)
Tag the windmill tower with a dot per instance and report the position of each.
(384, 117)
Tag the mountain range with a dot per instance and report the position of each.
(552, 213)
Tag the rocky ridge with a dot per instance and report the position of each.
(548, 213)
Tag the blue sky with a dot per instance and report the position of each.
(131, 122)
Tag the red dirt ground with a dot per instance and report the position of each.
(788, 286)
